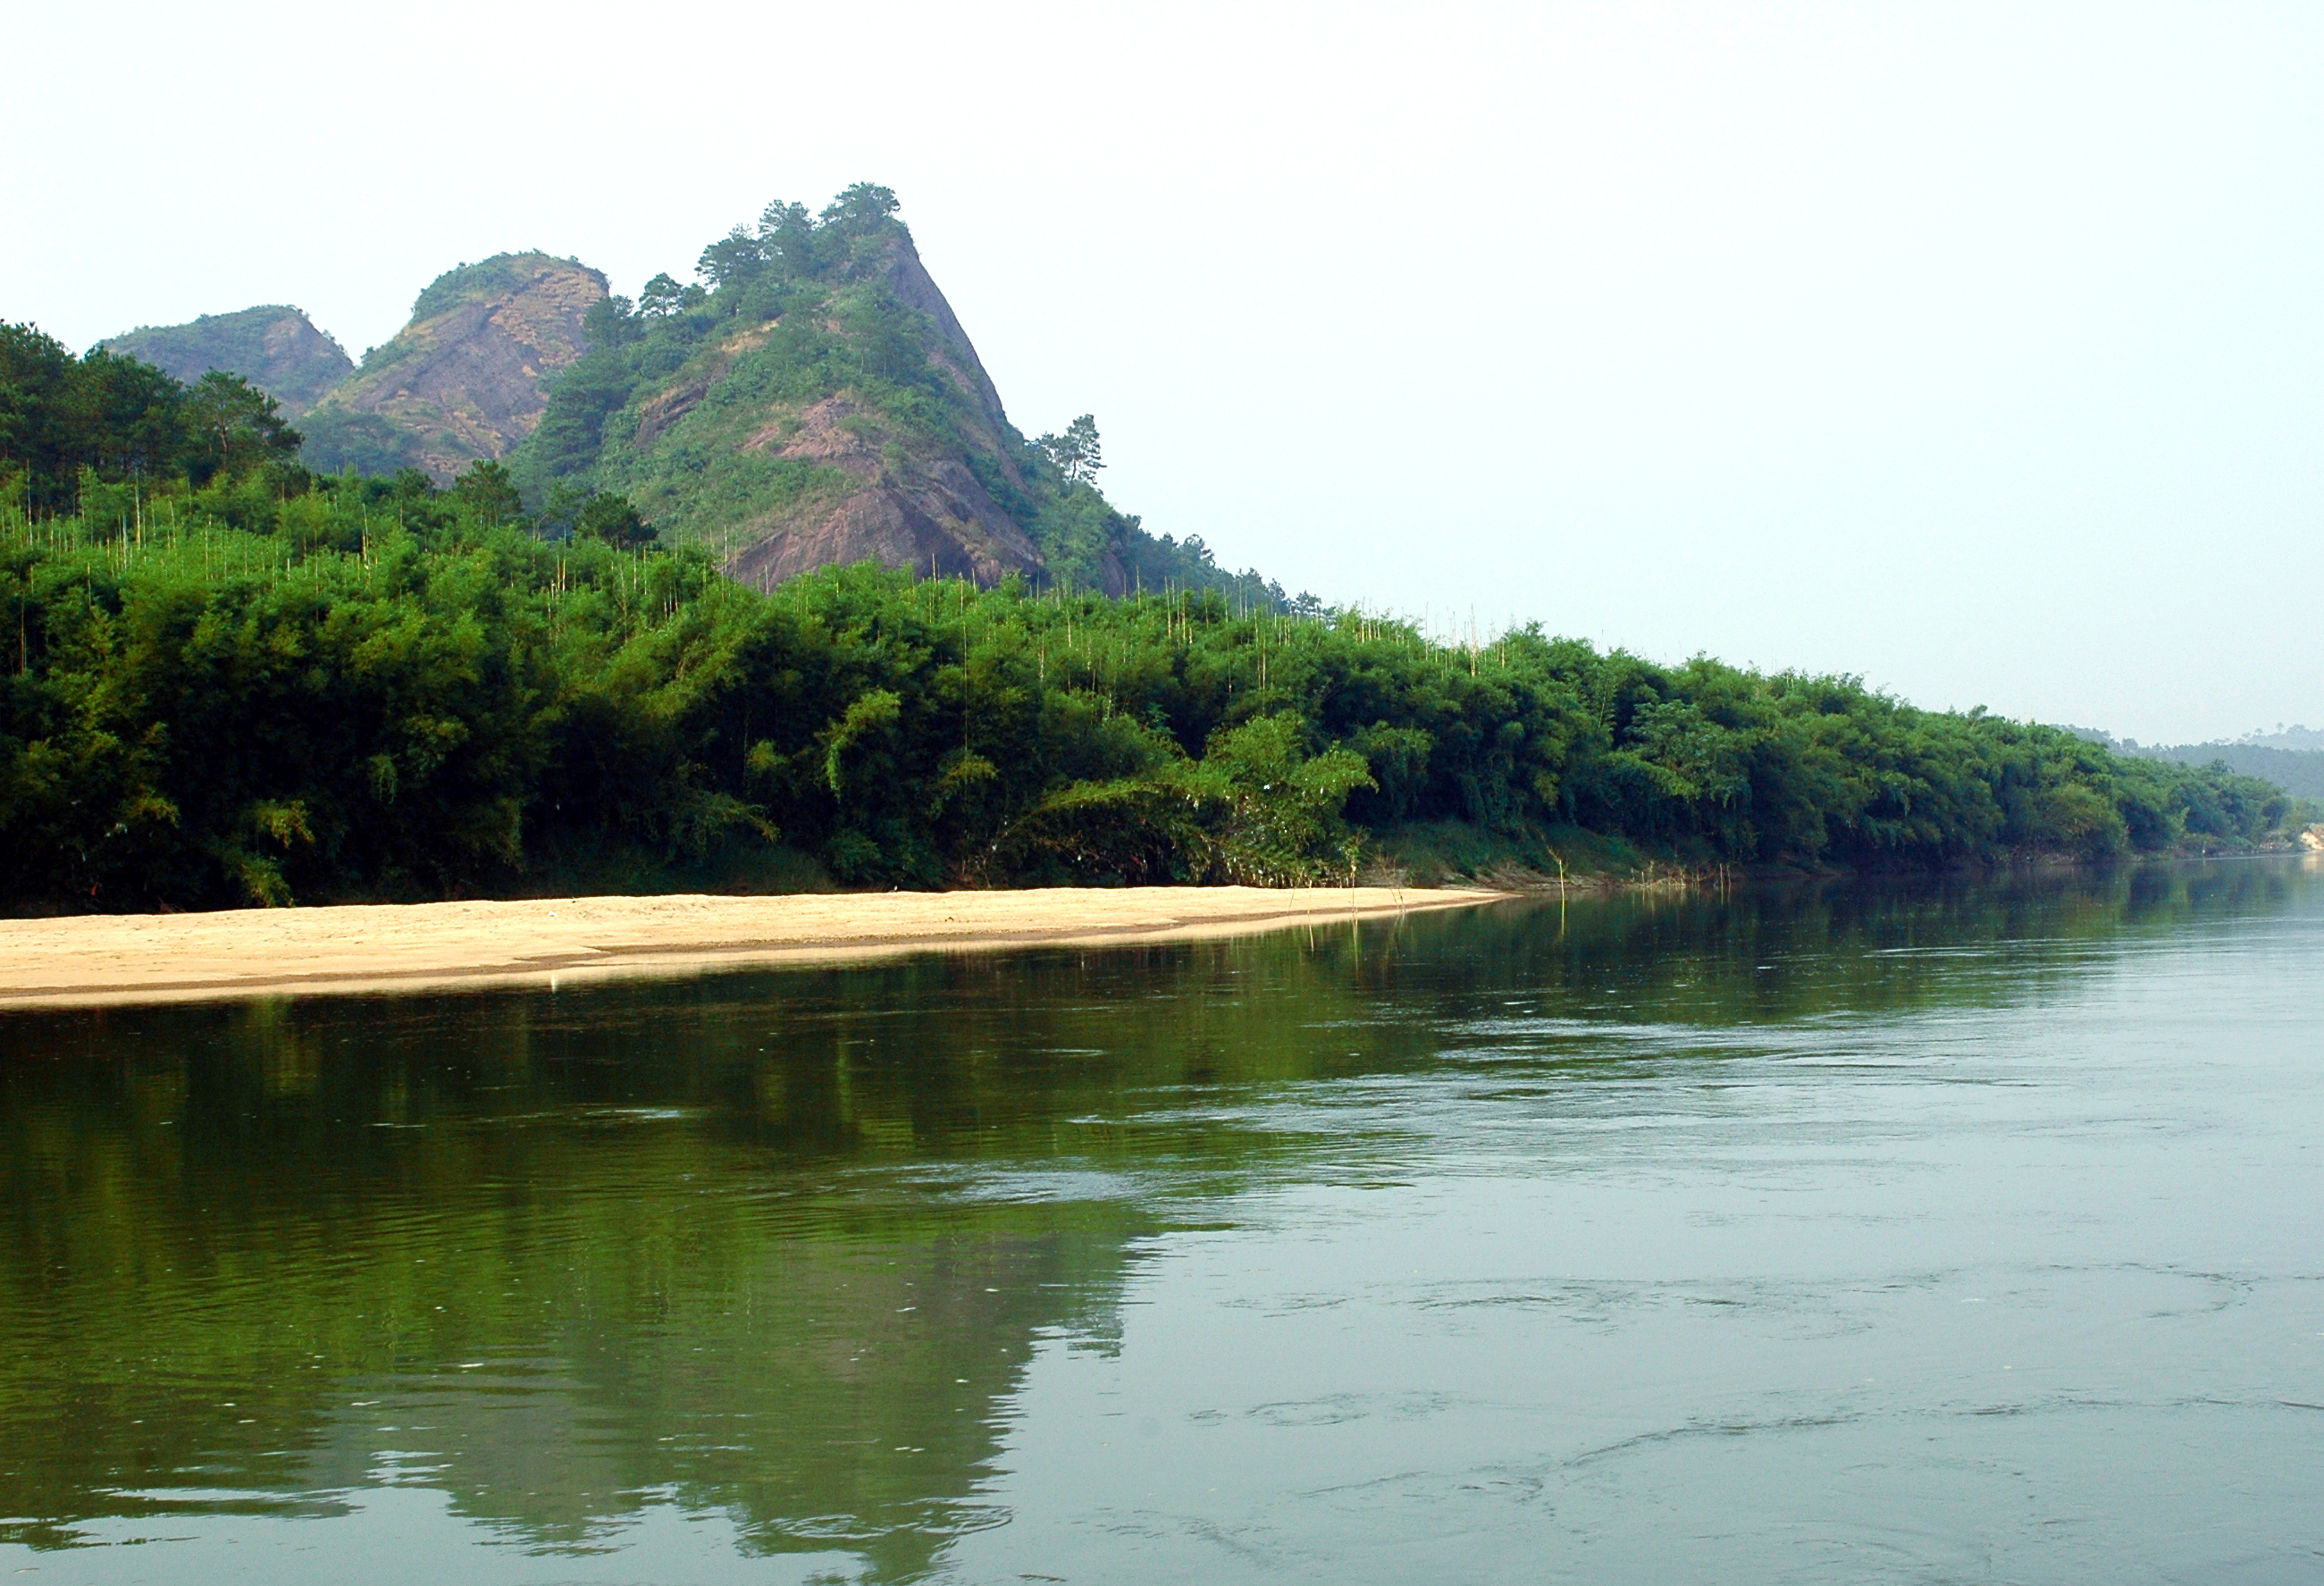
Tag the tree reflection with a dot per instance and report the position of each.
(782, 1245)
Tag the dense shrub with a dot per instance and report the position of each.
(270, 688)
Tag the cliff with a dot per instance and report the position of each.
(813, 401)
(467, 378)
(816, 401)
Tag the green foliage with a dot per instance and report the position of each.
(464, 283)
(232, 426)
(1076, 453)
(68, 422)
(612, 520)
(270, 690)
(488, 494)
(661, 298)
(1074, 528)
(1258, 810)
(342, 439)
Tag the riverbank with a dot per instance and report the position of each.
(118, 959)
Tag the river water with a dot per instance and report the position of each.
(1948, 1231)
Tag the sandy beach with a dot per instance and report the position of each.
(98, 959)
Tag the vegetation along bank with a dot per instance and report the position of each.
(270, 688)
(229, 679)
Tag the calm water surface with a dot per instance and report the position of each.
(1945, 1232)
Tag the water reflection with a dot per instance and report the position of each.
(781, 1247)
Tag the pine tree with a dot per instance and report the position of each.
(1076, 453)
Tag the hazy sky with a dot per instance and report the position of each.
(1974, 349)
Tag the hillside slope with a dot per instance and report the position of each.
(815, 400)
(275, 346)
(237, 681)
(467, 378)
(2298, 771)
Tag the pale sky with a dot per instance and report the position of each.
(1973, 349)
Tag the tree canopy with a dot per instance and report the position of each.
(1077, 452)
(270, 689)
(109, 418)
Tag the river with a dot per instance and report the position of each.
(1940, 1231)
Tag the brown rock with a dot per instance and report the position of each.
(468, 378)
(927, 514)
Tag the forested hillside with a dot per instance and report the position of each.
(810, 400)
(273, 687)
(275, 346)
(2294, 767)
(617, 662)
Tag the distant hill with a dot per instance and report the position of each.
(811, 400)
(2293, 759)
(2298, 771)
(275, 346)
(467, 378)
(814, 400)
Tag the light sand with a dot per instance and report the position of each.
(370, 947)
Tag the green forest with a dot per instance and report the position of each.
(232, 681)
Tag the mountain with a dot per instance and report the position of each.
(2295, 738)
(2293, 760)
(816, 401)
(467, 378)
(275, 346)
(813, 401)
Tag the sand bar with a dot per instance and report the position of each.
(94, 959)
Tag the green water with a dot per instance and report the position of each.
(1961, 1231)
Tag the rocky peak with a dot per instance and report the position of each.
(468, 377)
(915, 288)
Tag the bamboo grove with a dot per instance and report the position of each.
(277, 688)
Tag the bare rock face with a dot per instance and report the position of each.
(915, 288)
(894, 529)
(915, 506)
(927, 512)
(816, 404)
(468, 378)
(275, 346)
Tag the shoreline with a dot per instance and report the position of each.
(122, 960)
